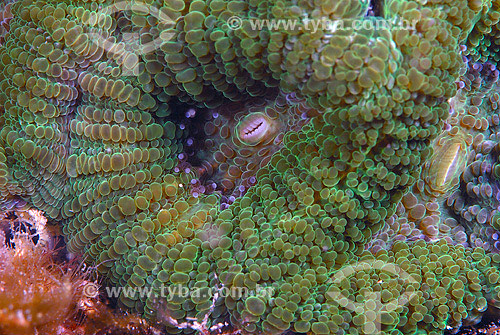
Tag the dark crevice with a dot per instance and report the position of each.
(376, 8)
(11, 226)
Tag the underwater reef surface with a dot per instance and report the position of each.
(320, 181)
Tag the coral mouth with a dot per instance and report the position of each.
(255, 128)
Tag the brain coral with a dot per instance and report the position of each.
(307, 161)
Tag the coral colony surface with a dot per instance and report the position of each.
(252, 179)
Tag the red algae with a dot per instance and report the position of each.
(36, 296)
(42, 294)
